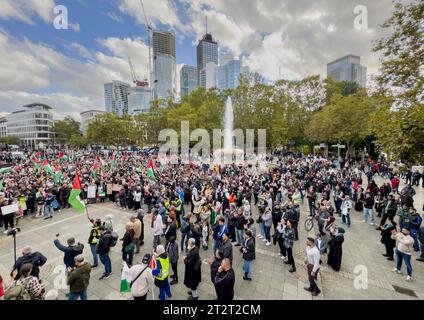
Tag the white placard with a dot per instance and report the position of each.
(9, 209)
(91, 192)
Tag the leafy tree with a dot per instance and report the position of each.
(66, 128)
(10, 140)
(78, 140)
(402, 52)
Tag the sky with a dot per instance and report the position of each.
(66, 68)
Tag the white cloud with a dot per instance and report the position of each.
(25, 10)
(75, 26)
(157, 11)
(114, 17)
(34, 72)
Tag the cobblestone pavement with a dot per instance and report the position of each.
(271, 279)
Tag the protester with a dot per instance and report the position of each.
(224, 281)
(192, 275)
(128, 245)
(249, 255)
(172, 251)
(335, 252)
(404, 244)
(78, 279)
(312, 261)
(70, 252)
(161, 272)
(36, 259)
(103, 248)
(141, 278)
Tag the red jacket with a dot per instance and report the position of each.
(395, 182)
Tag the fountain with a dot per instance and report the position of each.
(229, 154)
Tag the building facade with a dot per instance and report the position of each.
(228, 75)
(3, 127)
(164, 64)
(33, 125)
(188, 80)
(207, 51)
(116, 97)
(87, 117)
(139, 98)
(348, 68)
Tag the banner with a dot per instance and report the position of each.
(109, 189)
(9, 209)
(116, 187)
(91, 192)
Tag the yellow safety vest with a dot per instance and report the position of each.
(164, 271)
(95, 240)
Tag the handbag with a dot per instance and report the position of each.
(130, 248)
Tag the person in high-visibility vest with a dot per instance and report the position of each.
(94, 239)
(161, 272)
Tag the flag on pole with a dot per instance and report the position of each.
(63, 157)
(46, 166)
(57, 175)
(74, 198)
(150, 172)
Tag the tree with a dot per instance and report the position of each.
(65, 129)
(402, 52)
(10, 140)
(344, 120)
(400, 132)
(78, 140)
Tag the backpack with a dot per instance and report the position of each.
(114, 239)
(16, 292)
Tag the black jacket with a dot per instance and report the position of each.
(227, 250)
(224, 285)
(103, 246)
(127, 239)
(250, 246)
(171, 231)
(37, 260)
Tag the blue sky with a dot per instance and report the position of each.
(67, 68)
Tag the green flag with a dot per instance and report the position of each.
(47, 167)
(57, 175)
(1, 185)
(150, 172)
(5, 170)
(74, 198)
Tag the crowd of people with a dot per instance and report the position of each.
(191, 207)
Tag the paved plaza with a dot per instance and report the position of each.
(271, 279)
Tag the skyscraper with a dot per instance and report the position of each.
(188, 79)
(348, 68)
(116, 97)
(207, 51)
(164, 64)
(139, 99)
(228, 73)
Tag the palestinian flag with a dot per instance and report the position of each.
(45, 165)
(100, 161)
(5, 170)
(63, 157)
(95, 171)
(57, 175)
(162, 164)
(125, 279)
(150, 172)
(74, 198)
(36, 162)
(152, 263)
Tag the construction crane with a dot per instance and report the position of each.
(149, 41)
(137, 83)
(133, 75)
